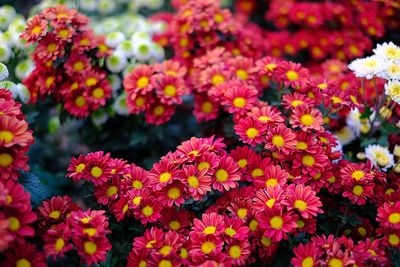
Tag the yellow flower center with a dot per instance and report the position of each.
(362, 231)
(300, 205)
(296, 103)
(36, 30)
(357, 175)
(6, 136)
(253, 225)
(80, 168)
(394, 218)
(184, 253)
(307, 119)
(257, 172)
(49, 81)
(308, 160)
(393, 239)
(251, 133)
(334, 262)
(23, 263)
(96, 172)
(174, 225)
(91, 81)
(358, 190)
(276, 222)
(55, 214)
(193, 181)
(159, 110)
(300, 224)
(59, 245)
(292, 75)
(90, 247)
(165, 263)
(165, 250)
(222, 175)
(235, 252)
(230, 231)
(270, 67)
(150, 243)
(170, 90)
(51, 48)
(241, 213)
(203, 165)
(264, 118)
(112, 190)
(174, 193)
(217, 79)
(165, 177)
(239, 102)
(272, 182)
(63, 33)
(137, 184)
(266, 241)
(207, 107)
(210, 230)
(307, 262)
(90, 231)
(80, 101)
(207, 247)
(270, 202)
(136, 200)
(5, 160)
(14, 224)
(277, 140)
(98, 93)
(242, 163)
(242, 74)
(147, 211)
(142, 82)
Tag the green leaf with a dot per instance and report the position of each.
(35, 187)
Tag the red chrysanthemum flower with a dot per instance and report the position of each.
(98, 170)
(305, 255)
(18, 223)
(210, 224)
(14, 132)
(240, 98)
(108, 192)
(93, 250)
(250, 132)
(276, 223)
(239, 252)
(162, 174)
(169, 89)
(307, 118)
(176, 220)
(12, 160)
(268, 115)
(226, 175)
(36, 28)
(273, 176)
(148, 211)
(139, 80)
(198, 183)
(292, 74)
(15, 197)
(135, 177)
(172, 194)
(269, 197)
(159, 113)
(242, 155)
(280, 139)
(358, 193)
(24, 254)
(235, 229)
(311, 163)
(192, 148)
(302, 199)
(205, 108)
(57, 241)
(389, 215)
(293, 100)
(359, 172)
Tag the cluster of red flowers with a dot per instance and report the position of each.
(64, 226)
(66, 57)
(339, 251)
(16, 215)
(156, 90)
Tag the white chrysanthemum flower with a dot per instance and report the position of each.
(391, 71)
(24, 68)
(158, 27)
(157, 52)
(337, 148)
(18, 25)
(105, 26)
(126, 47)
(142, 50)
(7, 15)
(5, 52)
(345, 135)
(99, 117)
(116, 62)
(388, 51)
(23, 93)
(367, 67)
(379, 156)
(113, 39)
(115, 81)
(7, 38)
(3, 72)
(120, 105)
(88, 5)
(106, 6)
(396, 150)
(353, 121)
(140, 36)
(392, 89)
